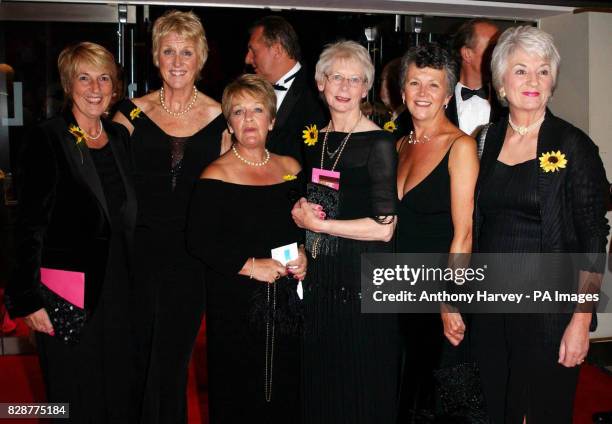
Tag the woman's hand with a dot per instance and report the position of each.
(266, 269)
(575, 341)
(298, 266)
(39, 321)
(454, 328)
(308, 216)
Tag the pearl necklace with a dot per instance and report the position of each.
(91, 137)
(413, 139)
(184, 111)
(524, 130)
(248, 162)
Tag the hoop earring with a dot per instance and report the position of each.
(445, 106)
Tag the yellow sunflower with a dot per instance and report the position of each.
(78, 133)
(390, 126)
(135, 113)
(552, 161)
(310, 135)
(289, 177)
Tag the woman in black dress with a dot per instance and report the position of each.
(351, 360)
(76, 212)
(542, 188)
(437, 171)
(240, 211)
(176, 132)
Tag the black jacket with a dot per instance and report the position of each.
(572, 200)
(300, 107)
(62, 216)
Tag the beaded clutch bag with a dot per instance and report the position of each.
(329, 199)
(67, 319)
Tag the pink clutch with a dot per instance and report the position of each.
(69, 285)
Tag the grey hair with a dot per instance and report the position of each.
(430, 55)
(532, 41)
(345, 50)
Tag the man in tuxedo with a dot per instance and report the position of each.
(474, 104)
(274, 53)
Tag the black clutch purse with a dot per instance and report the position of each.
(67, 319)
(329, 199)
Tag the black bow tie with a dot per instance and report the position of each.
(279, 87)
(482, 92)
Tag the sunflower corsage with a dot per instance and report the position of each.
(552, 161)
(310, 135)
(390, 126)
(135, 113)
(78, 133)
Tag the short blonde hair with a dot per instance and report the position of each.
(186, 25)
(72, 57)
(345, 50)
(254, 86)
(529, 39)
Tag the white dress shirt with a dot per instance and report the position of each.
(473, 112)
(280, 94)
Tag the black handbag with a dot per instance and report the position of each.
(329, 199)
(67, 319)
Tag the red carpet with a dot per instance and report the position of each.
(20, 381)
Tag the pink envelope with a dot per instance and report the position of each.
(69, 285)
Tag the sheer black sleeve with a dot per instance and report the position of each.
(587, 187)
(382, 169)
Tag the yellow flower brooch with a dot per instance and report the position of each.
(289, 177)
(135, 113)
(390, 126)
(310, 135)
(78, 133)
(552, 161)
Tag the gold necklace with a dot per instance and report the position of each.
(248, 162)
(340, 148)
(184, 111)
(524, 130)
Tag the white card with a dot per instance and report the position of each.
(286, 253)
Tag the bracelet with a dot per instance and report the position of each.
(252, 267)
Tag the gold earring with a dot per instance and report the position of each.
(502, 92)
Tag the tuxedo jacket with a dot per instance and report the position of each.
(300, 107)
(497, 110)
(62, 216)
(572, 199)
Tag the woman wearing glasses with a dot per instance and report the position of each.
(351, 360)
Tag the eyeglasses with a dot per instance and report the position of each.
(337, 79)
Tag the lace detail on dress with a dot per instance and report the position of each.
(177, 150)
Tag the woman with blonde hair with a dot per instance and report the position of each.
(175, 133)
(74, 230)
(240, 211)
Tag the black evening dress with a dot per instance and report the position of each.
(247, 352)
(169, 290)
(351, 360)
(424, 226)
(517, 354)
